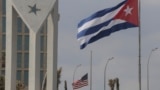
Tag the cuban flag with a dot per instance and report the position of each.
(104, 22)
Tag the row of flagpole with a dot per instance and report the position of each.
(104, 71)
(91, 72)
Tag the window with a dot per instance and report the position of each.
(26, 42)
(26, 77)
(41, 60)
(19, 24)
(42, 43)
(3, 60)
(3, 72)
(19, 60)
(19, 42)
(26, 60)
(3, 24)
(19, 75)
(3, 42)
(3, 7)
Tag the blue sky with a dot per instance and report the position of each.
(122, 45)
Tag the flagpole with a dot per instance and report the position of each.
(139, 6)
(91, 71)
(75, 72)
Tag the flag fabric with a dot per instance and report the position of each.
(81, 83)
(104, 22)
(33, 12)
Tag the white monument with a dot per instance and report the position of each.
(33, 13)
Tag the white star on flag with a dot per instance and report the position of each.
(128, 11)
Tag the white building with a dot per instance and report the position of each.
(20, 50)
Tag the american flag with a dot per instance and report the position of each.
(81, 83)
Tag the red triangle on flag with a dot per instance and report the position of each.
(129, 12)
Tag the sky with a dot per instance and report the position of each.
(122, 45)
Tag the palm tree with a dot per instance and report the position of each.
(58, 79)
(111, 83)
(59, 76)
(117, 83)
(65, 85)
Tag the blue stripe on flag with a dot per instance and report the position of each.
(107, 32)
(93, 29)
(100, 13)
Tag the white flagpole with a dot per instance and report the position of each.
(139, 45)
(91, 71)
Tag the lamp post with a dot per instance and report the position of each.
(148, 66)
(105, 72)
(75, 72)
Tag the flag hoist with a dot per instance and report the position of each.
(33, 13)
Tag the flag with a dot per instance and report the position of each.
(106, 21)
(81, 83)
(33, 12)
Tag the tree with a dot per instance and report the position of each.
(65, 85)
(2, 82)
(59, 76)
(111, 83)
(58, 79)
(117, 83)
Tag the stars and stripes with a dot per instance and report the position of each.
(81, 83)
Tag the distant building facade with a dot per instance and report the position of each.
(22, 46)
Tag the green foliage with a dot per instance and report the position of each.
(59, 71)
(2, 83)
(65, 85)
(112, 83)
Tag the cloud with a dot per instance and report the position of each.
(150, 2)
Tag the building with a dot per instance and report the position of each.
(22, 47)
